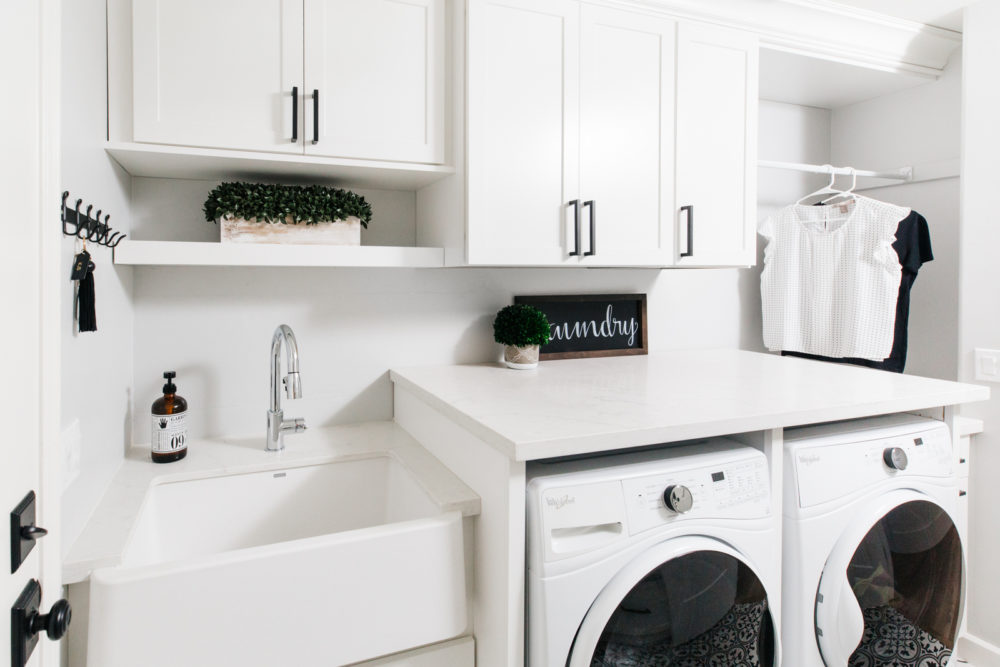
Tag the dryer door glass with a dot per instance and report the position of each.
(704, 608)
(907, 577)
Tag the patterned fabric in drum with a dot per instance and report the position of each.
(891, 640)
(732, 642)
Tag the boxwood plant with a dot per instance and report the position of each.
(521, 325)
(309, 204)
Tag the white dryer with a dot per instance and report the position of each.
(656, 558)
(873, 561)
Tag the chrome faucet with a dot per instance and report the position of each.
(277, 425)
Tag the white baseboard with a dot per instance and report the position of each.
(977, 652)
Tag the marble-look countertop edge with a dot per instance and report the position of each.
(108, 530)
(944, 393)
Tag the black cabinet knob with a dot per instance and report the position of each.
(55, 623)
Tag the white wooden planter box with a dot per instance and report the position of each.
(341, 232)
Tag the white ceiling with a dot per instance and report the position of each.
(941, 13)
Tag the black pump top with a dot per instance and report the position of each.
(170, 387)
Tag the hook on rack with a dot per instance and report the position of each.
(89, 229)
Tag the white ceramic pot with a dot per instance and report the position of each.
(521, 358)
(341, 232)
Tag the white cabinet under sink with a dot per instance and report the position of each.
(351, 79)
(590, 127)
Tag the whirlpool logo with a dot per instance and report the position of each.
(809, 459)
(559, 502)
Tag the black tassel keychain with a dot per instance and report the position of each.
(84, 307)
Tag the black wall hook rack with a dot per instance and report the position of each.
(91, 229)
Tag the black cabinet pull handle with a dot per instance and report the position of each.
(576, 226)
(295, 114)
(690, 239)
(315, 116)
(593, 227)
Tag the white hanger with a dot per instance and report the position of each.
(825, 190)
(849, 193)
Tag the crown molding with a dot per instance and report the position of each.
(823, 29)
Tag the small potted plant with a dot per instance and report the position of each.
(265, 213)
(521, 329)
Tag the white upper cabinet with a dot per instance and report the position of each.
(377, 68)
(590, 126)
(216, 73)
(626, 137)
(716, 146)
(248, 75)
(523, 146)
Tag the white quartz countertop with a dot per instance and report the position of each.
(106, 534)
(579, 406)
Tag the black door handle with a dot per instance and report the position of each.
(576, 226)
(593, 227)
(26, 621)
(295, 114)
(690, 239)
(315, 116)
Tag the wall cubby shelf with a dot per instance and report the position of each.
(175, 253)
(162, 161)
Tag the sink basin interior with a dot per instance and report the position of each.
(217, 514)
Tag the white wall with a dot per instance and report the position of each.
(919, 126)
(96, 367)
(214, 325)
(979, 317)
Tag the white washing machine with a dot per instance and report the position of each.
(654, 558)
(873, 561)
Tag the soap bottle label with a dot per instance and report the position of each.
(169, 433)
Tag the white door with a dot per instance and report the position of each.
(375, 79)
(218, 73)
(29, 396)
(523, 131)
(627, 137)
(716, 146)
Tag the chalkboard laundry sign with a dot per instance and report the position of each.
(592, 325)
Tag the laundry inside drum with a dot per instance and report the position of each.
(702, 609)
(907, 576)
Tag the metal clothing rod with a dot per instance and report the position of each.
(904, 174)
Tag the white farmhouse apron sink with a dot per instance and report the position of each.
(315, 565)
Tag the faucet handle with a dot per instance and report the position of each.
(293, 425)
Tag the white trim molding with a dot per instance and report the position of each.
(824, 29)
(977, 652)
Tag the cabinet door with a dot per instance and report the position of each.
(217, 73)
(627, 137)
(378, 67)
(716, 146)
(523, 131)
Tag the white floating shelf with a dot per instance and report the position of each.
(160, 161)
(175, 253)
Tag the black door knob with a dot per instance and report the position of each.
(55, 623)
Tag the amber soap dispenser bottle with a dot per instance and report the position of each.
(169, 424)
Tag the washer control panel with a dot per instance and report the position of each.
(733, 490)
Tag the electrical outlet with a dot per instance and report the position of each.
(987, 365)
(71, 441)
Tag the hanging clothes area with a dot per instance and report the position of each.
(838, 270)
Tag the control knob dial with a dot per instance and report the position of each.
(678, 498)
(895, 458)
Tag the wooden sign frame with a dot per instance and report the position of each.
(586, 300)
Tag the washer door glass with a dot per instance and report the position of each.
(897, 599)
(705, 607)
